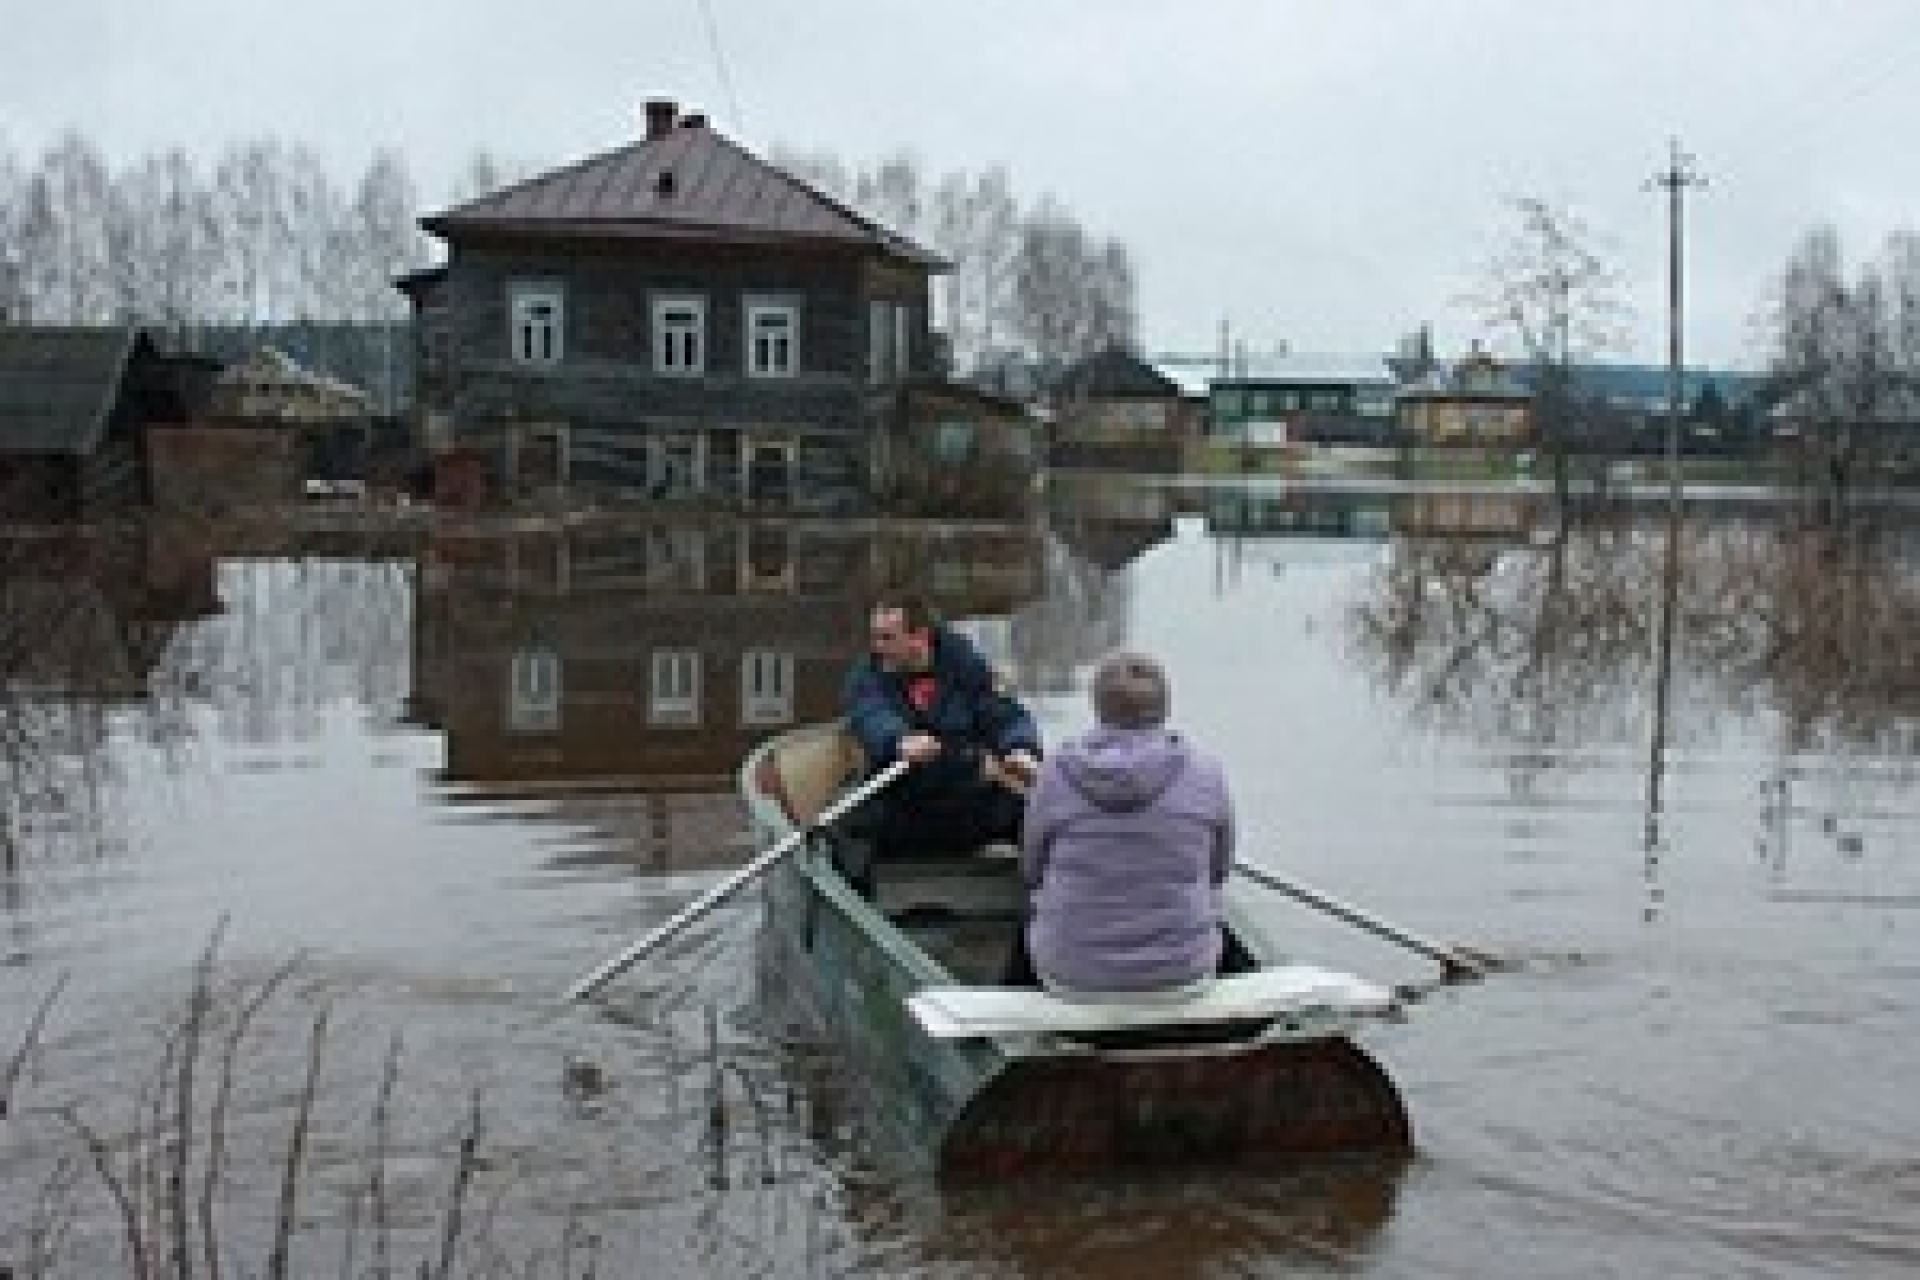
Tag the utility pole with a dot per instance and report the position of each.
(1676, 179)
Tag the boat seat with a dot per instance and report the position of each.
(1313, 1000)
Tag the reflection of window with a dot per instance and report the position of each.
(674, 557)
(675, 697)
(773, 339)
(679, 335)
(673, 466)
(766, 687)
(533, 692)
(538, 319)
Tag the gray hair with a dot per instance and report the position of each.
(1130, 691)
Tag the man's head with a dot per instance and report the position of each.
(902, 632)
(1130, 691)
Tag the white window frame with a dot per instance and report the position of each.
(535, 680)
(778, 354)
(679, 347)
(902, 340)
(766, 687)
(537, 322)
(673, 694)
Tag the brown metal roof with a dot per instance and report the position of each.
(688, 184)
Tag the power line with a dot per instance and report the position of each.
(720, 65)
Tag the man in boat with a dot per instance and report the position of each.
(925, 694)
(1128, 839)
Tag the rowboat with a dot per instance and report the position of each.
(968, 1078)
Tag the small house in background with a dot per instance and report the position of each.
(1473, 402)
(1115, 411)
(327, 422)
(672, 323)
(83, 417)
(1287, 398)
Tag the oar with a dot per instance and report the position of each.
(1456, 963)
(732, 884)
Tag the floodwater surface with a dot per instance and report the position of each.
(299, 862)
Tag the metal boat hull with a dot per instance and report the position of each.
(992, 1106)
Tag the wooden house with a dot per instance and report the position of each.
(1473, 402)
(1115, 411)
(645, 657)
(672, 322)
(76, 409)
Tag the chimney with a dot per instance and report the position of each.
(661, 114)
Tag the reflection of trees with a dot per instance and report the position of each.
(1549, 641)
(1097, 529)
(97, 659)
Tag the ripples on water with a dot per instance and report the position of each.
(1697, 1064)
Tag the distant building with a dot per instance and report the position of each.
(1285, 397)
(79, 409)
(1115, 410)
(1472, 401)
(674, 321)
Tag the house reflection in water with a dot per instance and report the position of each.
(621, 672)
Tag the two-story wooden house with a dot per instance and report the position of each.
(674, 321)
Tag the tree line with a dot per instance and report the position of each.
(1027, 280)
(264, 234)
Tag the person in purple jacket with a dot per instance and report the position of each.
(1128, 838)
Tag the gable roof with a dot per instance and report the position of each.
(688, 183)
(58, 386)
(1116, 374)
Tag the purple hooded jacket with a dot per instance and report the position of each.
(1128, 837)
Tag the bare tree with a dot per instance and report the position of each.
(1073, 296)
(1549, 290)
(63, 236)
(162, 239)
(1034, 277)
(1846, 352)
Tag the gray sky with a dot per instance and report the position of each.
(1330, 173)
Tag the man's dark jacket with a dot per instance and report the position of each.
(969, 714)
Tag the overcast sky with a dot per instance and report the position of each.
(1327, 173)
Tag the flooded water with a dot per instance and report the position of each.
(305, 840)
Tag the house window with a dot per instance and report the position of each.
(766, 687)
(533, 692)
(952, 442)
(902, 340)
(675, 696)
(879, 341)
(773, 339)
(539, 315)
(679, 335)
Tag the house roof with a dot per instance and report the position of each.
(58, 386)
(1117, 374)
(1197, 375)
(687, 183)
